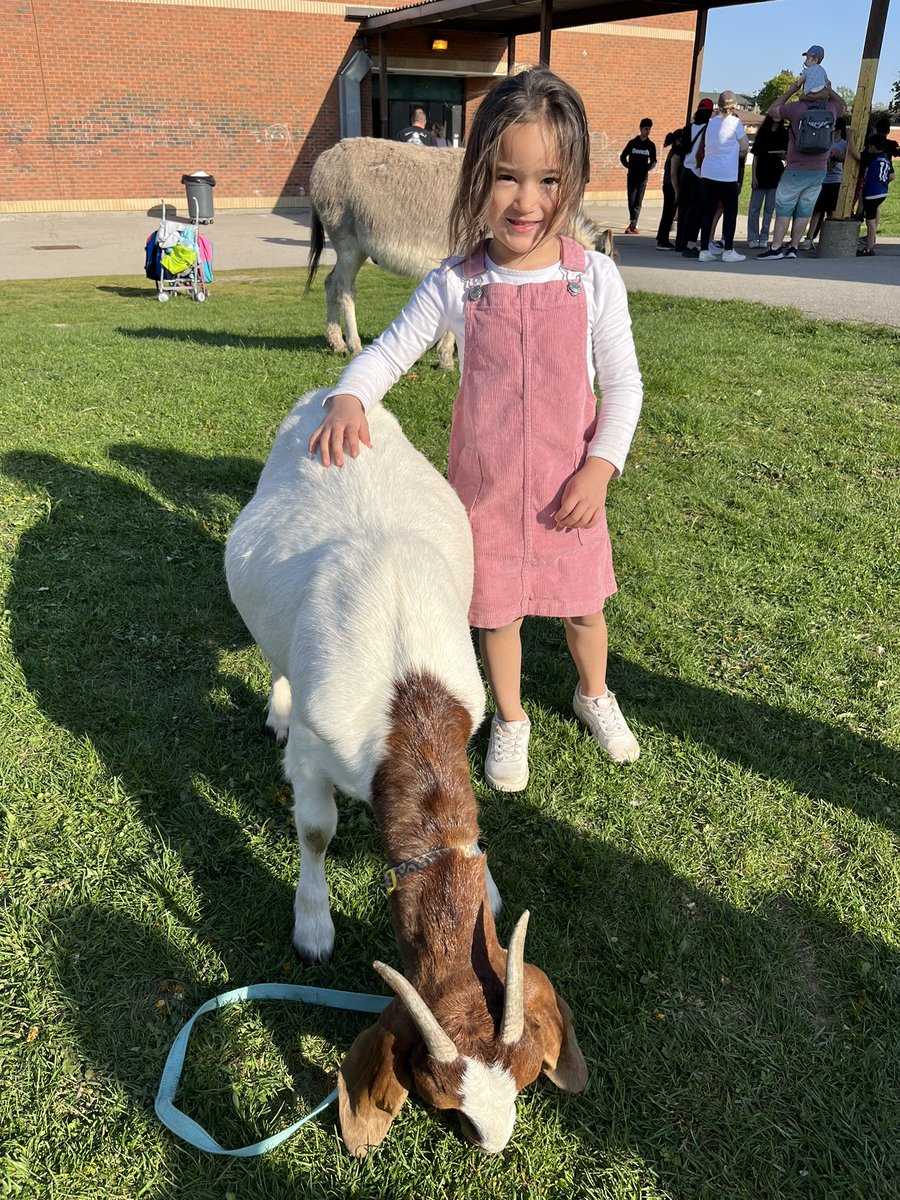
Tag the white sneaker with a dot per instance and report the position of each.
(506, 762)
(609, 728)
(733, 256)
(806, 244)
(717, 248)
(708, 256)
(755, 245)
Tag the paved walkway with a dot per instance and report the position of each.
(58, 245)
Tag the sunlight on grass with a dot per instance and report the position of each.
(721, 916)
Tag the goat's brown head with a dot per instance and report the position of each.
(470, 1041)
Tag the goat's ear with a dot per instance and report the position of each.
(374, 1081)
(564, 1063)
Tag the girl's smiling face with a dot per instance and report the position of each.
(523, 216)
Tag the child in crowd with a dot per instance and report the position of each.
(537, 319)
(813, 79)
(879, 175)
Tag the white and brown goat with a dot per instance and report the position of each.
(355, 583)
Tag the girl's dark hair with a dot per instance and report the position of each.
(672, 137)
(530, 96)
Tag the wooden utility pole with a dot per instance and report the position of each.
(384, 110)
(546, 31)
(696, 65)
(862, 104)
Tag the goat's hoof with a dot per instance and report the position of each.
(308, 958)
(314, 943)
(277, 736)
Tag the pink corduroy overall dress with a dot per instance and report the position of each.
(521, 425)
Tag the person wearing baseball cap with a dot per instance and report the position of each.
(689, 194)
(724, 147)
(804, 173)
(813, 77)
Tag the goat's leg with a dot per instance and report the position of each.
(315, 815)
(279, 710)
(445, 351)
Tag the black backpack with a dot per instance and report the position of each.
(815, 131)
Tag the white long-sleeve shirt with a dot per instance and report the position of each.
(438, 305)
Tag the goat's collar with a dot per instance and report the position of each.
(394, 875)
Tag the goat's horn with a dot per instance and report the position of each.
(514, 1004)
(440, 1045)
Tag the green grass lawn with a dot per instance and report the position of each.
(722, 916)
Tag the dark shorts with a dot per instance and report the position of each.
(871, 207)
(828, 198)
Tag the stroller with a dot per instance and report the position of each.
(178, 259)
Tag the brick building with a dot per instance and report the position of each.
(105, 103)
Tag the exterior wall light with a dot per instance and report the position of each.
(439, 44)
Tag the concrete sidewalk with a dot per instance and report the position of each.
(61, 245)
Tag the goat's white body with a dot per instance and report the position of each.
(349, 579)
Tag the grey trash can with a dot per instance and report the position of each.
(198, 187)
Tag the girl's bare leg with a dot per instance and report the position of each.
(587, 641)
(501, 656)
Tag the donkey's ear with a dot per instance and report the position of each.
(564, 1063)
(374, 1080)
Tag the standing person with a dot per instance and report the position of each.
(537, 319)
(415, 134)
(437, 131)
(689, 193)
(804, 172)
(725, 144)
(671, 172)
(879, 174)
(769, 150)
(639, 157)
(826, 202)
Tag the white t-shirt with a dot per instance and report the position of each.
(690, 159)
(720, 159)
(814, 78)
(438, 305)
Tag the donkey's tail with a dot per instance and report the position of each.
(316, 246)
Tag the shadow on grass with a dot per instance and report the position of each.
(119, 613)
(208, 337)
(734, 1053)
(131, 293)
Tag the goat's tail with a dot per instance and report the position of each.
(316, 246)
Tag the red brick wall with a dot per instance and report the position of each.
(106, 101)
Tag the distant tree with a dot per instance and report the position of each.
(848, 95)
(894, 106)
(772, 89)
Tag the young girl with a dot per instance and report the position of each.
(535, 317)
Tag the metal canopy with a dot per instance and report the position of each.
(511, 17)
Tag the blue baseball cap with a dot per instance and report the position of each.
(815, 51)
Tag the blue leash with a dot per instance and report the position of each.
(192, 1132)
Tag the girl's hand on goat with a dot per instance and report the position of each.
(344, 427)
(584, 496)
